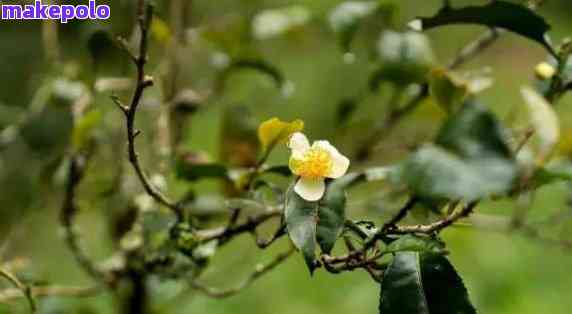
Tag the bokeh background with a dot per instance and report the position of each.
(505, 273)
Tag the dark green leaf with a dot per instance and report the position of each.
(414, 243)
(471, 159)
(418, 283)
(551, 174)
(301, 219)
(474, 133)
(510, 16)
(331, 215)
(194, 172)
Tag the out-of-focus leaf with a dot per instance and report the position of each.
(415, 243)
(470, 161)
(239, 139)
(84, 129)
(345, 109)
(102, 47)
(281, 170)
(544, 121)
(551, 173)
(160, 31)
(346, 17)
(331, 215)
(49, 131)
(193, 172)
(66, 92)
(275, 131)
(405, 58)
(510, 16)
(447, 90)
(301, 218)
(423, 284)
(258, 65)
(275, 22)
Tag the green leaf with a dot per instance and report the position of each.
(469, 161)
(448, 91)
(346, 17)
(258, 65)
(331, 215)
(275, 22)
(186, 169)
(423, 284)
(405, 58)
(84, 127)
(283, 170)
(415, 243)
(501, 14)
(552, 173)
(301, 219)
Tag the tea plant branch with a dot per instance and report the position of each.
(223, 234)
(438, 225)
(21, 288)
(144, 17)
(8, 295)
(260, 271)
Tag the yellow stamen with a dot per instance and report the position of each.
(315, 163)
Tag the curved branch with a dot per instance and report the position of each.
(21, 288)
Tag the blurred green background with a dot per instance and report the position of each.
(505, 273)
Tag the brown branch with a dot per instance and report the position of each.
(224, 233)
(438, 225)
(258, 273)
(144, 17)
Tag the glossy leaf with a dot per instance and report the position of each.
(274, 22)
(501, 14)
(331, 215)
(275, 131)
(301, 219)
(469, 161)
(415, 243)
(418, 283)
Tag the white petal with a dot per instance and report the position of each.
(310, 189)
(340, 163)
(298, 144)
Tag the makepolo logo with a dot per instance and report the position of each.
(64, 13)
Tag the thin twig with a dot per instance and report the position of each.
(21, 288)
(7, 295)
(144, 16)
(438, 225)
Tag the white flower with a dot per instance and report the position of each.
(313, 164)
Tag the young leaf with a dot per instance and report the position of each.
(418, 283)
(84, 128)
(331, 215)
(275, 131)
(510, 16)
(448, 91)
(544, 121)
(274, 22)
(301, 219)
